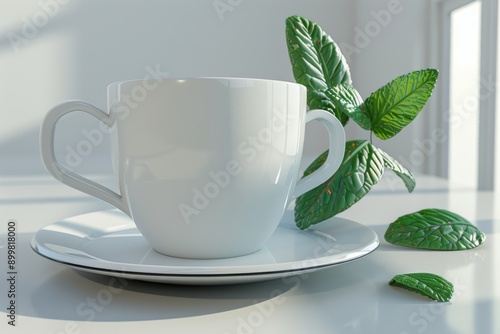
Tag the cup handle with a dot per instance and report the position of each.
(335, 155)
(60, 172)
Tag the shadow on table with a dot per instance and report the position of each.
(71, 295)
(352, 297)
(53, 291)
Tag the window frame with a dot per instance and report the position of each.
(440, 52)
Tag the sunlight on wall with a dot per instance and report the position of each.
(34, 64)
(32, 81)
(497, 120)
(464, 94)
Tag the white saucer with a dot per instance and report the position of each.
(108, 243)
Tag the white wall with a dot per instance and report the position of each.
(82, 46)
(392, 38)
(78, 47)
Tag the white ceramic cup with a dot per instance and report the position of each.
(205, 166)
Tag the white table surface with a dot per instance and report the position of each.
(350, 298)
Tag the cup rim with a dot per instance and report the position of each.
(213, 78)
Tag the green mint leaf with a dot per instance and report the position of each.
(434, 229)
(319, 100)
(430, 285)
(361, 168)
(396, 104)
(399, 170)
(347, 100)
(317, 62)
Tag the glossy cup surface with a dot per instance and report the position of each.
(208, 165)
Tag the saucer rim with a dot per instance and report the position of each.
(255, 273)
(207, 280)
(175, 272)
